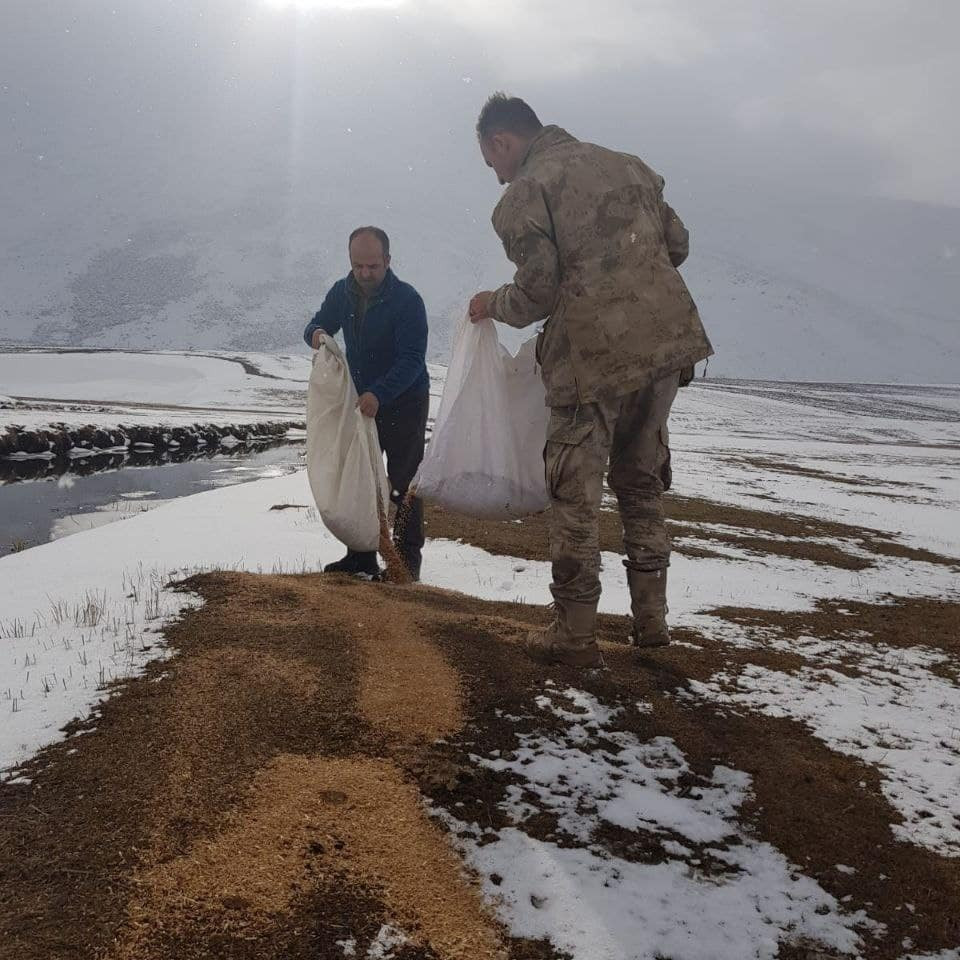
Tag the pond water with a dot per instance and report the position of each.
(41, 500)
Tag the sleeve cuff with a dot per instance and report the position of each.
(377, 391)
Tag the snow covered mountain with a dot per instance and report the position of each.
(858, 290)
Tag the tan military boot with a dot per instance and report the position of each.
(570, 640)
(648, 600)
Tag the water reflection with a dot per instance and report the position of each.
(15, 471)
(36, 496)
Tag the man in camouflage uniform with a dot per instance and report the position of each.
(596, 249)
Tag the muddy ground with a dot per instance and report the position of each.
(260, 793)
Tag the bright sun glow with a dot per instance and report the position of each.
(313, 5)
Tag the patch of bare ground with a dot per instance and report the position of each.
(257, 795)
(879, 542)
(758, 546)
(529, 538)
(900, 622)
(689, 517)
(778, 465)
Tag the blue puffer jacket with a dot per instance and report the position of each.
(386, 350)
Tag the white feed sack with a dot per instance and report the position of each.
(344, 460)
(485, 457)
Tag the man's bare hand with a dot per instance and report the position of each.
(368, 404)
(317, 339)
(480, 306)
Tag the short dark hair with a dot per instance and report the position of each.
(507, 114)
(376, 232)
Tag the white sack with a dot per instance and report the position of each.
(485, 457)
(344, 461)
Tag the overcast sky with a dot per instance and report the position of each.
(848, 94)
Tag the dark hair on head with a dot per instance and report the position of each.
(507, 114)
(376, 232)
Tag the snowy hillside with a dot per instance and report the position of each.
(861, 290)
(826, 288)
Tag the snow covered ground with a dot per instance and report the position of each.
(88, 609)
(104, 389)
(140, 378)
(583, 896)
(881, 456)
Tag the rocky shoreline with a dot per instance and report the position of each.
(62, 441)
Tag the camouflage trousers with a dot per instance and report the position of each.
(625, 438)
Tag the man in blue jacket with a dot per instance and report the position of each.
(384, 326)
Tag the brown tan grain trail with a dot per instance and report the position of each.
(306, 816)
(248, 871)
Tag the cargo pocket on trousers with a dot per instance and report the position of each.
(561, 444)
(666, 471)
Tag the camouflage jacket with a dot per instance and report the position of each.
(596, 250)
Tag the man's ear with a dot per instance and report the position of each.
(386, 260)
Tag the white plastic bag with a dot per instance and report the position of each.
(485, 457)
(344, 461)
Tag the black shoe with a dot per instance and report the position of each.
(356, 563)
